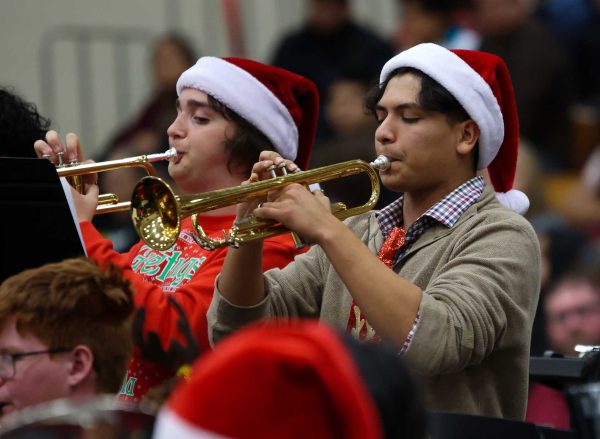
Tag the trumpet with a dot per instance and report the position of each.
(156, 212)
(108, 203)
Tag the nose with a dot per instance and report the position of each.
(177, 129)
(384, 134)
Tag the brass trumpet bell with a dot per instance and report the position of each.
(157, 212)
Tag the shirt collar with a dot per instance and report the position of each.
(447, 211)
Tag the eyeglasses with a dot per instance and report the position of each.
(7, 360)
(582, 312)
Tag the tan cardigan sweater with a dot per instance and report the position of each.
(481, 281)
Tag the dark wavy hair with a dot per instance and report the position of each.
(20, 125)
(247, 142)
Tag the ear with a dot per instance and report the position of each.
(81, 365)
(468, 132)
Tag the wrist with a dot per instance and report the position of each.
(330, 232)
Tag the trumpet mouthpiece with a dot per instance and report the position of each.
(381, 163)
(168, 154)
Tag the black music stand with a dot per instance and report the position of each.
(36, 224)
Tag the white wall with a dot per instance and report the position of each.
(39, 57)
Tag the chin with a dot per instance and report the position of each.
(393, 185)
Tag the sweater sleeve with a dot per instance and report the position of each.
(294, 290)
(194, 297)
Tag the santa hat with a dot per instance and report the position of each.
(480, 82)
(294, 379)
(282, 105)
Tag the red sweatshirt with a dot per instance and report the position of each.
(185, 271)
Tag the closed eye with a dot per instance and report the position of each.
(411, 119)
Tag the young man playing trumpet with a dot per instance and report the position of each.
(457, 290)
(228, 111)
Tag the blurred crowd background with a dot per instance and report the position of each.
(107, 71)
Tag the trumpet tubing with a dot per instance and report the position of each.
(108, 203)
(157, 212)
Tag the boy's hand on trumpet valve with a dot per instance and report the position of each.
(292, 205)
(70, 152)
(63, 154)
(58, 153)
(308, 214)
(271, 164)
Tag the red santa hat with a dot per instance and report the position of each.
(282, 105)
(480, 82)
(294, 379)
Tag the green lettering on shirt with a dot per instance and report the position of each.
(128, 386)
(168, 268)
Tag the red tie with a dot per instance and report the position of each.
(357, 322)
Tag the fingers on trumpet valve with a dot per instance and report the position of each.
(56, 153)
(55, 156)
(272, 168)
(282, 167)
(59, 153)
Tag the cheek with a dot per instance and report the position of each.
(554, 331)
(593, 329)
(35, 387)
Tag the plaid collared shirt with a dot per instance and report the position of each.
(445, 212)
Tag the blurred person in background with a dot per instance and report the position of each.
(433, 21)
(330, 43)
(352, 129)
(587, 62)
(564, 249)
(572, 308)
(540, 71)
(582, 206)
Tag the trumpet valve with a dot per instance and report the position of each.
(59, 155)
(271, 170)
(282, 168)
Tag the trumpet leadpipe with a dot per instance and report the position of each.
(144, 161)
(108, 203)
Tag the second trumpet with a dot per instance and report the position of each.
(157, 212)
